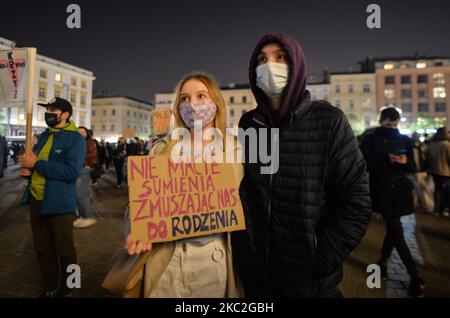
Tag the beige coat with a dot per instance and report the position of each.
(438, 158)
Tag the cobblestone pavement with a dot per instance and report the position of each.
(98, 246)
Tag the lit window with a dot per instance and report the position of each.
(58, 77)
(421, 64)
(389, 93)
(439, 92)
(389, 66)
(82, 100)
(73, 98)
(439, 78)
(83, 84)
(73, 81)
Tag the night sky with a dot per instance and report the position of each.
(137, 48)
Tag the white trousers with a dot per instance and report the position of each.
(194, 272)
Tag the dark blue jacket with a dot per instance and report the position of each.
(62, 170)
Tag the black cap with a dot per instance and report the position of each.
(59, 103)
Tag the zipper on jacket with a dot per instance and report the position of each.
(269, 218)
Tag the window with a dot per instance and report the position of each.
(440, 107)
(113, 113)
(421, 64)
(73, 81)
(350, 88)
(42, 91)
(104, 112)
(438, 63)
(82, 100)
(338, 103)
(389, 66)
(58, 92)
(244, 99)
(83, 83)
(423, 107)
(422, 78)
(103, 127)
(58, 77)
(439, 92)
(134, 115)
(406, 79)
(128, 114)
(366, 88)
(93, 127)
(439, 79)
(93, 113)
(389, 80)
(145, 117)
(406, 93)
(113, 127)
(231, 100)
(43, 73)
(351, 103)
(389, 93)
(73, 98)
(404, 65)
(407, 108)
(337, 89)
(422, 93)
(231, 113)
(325, 97)
(140, 116)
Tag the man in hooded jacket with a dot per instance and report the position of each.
(304, 219)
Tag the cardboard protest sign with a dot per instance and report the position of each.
(171, 201)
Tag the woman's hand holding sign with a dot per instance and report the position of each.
(136, 247)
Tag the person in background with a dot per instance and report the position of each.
(3, 154)
(120, 153)
(84, 188)
(390, 159)
(438, 162)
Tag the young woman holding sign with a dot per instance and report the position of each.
(201, 266)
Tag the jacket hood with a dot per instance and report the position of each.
(294, 92)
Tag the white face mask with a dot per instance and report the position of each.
(272, 78)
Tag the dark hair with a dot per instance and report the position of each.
(86, 130)
(441, 134)
(389, 113)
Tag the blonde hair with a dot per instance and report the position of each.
(215, 95)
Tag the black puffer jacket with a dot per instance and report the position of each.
(305, 219)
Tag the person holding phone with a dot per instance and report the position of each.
(389, 157)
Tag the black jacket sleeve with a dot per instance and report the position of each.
(347, 206)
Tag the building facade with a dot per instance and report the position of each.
(420, 86)
(53, 78)
(356, 95)
(116, 116)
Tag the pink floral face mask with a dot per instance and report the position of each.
(201, 111)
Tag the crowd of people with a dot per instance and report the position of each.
(302, 221)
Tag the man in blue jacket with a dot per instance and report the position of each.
(53, 169)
